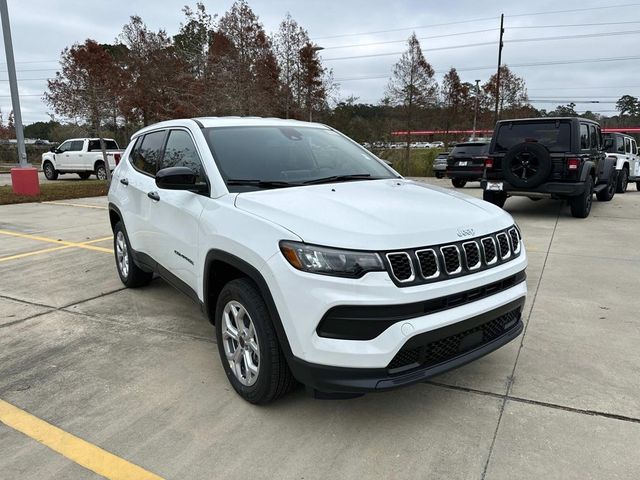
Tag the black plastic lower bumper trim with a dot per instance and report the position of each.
(362, 380)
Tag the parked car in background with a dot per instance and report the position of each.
(624, 150)
(315, 261)
(437, 144)
(465, 163)
(557, 157)
(440, 165)
(82, 156)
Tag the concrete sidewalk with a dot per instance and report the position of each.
(137, 373)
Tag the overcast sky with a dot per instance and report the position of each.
(42, 28)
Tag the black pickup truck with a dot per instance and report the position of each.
(553, 157)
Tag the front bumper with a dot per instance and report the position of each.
(435, 352)
(553, 189)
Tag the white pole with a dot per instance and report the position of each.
(13, 83)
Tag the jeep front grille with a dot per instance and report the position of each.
(440, 262)
(401, 266)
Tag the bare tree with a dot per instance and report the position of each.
(513, 91)
(411, 86)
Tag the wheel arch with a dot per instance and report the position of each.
(97, 162)
(114, 216)
(220, 267)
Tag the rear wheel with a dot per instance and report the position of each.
(638, 186)
(50, 172)
(439, 175)
(248, 345)
(623, 180)
(497, 198)
(581, 204)
(458, 182)
(101, 171)
(130, 274)
(84, 175)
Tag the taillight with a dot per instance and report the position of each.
(488, 162)
(573, 163)
(117, 158)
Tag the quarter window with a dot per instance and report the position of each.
(620, 144)
(627, 145)
(584, 137)
(180, 151)
(594, 137)
(147, 152)
(634, 147)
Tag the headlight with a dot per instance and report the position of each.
(330, 261)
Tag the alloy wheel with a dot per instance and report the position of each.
(525, 165)
(122, 255)
(241, 346)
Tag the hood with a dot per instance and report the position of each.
(375, 214)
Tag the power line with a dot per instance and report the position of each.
(404, 40)
(474, 20)
(480, 44)
(574, 25)
(514, 65)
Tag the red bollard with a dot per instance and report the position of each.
(25, 181)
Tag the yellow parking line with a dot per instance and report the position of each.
(80, 451)
(37, 252)
(51, 202)
(59, 242)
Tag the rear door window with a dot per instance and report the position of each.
(593, 140)
(584, 137)
(556, 136)
(627, 145)
(147, 152)
(76, 146)
(94, 145)
(180, 151)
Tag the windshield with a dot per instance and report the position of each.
(471, 149)
(553, 135)
(272, 157)
(614, 144)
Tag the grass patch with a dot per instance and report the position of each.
(56, 191)
(420, 161)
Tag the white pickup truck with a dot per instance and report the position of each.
(624, 149)
(82, 156)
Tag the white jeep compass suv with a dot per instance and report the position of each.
(315, 260)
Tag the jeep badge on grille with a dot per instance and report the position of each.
(465, 232)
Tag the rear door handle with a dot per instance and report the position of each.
(154, 196)
(124, 181)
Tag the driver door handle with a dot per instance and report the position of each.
(124, 181)
(154, 196)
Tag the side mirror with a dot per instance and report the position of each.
(179, 178)
(54, 150)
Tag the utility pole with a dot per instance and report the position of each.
(24, 179)
(500, 45)
(475, 114)
(13, 83)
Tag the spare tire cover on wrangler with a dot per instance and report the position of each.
(526, 165)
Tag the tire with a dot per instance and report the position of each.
(50, 172)
(458, 182)
(439, 175)
(526, 165)
(240, 301)
(101, 171)
(84, 175)
(497, 198)
(608, 193)
(581, 204)
(130, 274)
(638, 186)
(623, 180)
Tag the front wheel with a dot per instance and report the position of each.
(623, 180)
(248, 345)
(497, 198)
(50, 172)
(439, 175)
(581, 204)
(458, 182)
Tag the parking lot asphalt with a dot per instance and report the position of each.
(98, 380)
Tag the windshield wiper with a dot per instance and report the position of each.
(261, 183)
(342, 178)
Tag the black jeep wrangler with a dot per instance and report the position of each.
(559, 158)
